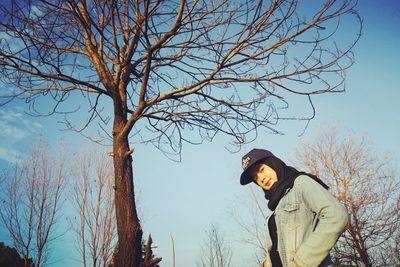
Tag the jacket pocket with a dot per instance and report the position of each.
(291, 222)
(291, 207)
(289, 213)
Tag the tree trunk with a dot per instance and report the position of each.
(364, 254)
(129, 229)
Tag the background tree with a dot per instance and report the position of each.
(215, 251)
(9, 257)
(149, 259)
(251, 220)
(93, 202)
(168, 67)
(363, 181)
(31, 198)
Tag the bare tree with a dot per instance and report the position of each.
(31, 202)
(250, 214)
(168, 67)
(215, 250)
(93, 199)
(363, 181)
(149, 259)
(10, 257)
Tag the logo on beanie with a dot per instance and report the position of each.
(245, 162)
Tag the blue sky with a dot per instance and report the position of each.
(183, 199)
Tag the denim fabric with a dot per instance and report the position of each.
(309, 221)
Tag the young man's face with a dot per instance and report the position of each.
(265, 176)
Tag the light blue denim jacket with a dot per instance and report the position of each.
(309, 221)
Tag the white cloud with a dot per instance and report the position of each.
(4, 36)
(9, 131)
(15, 121)
(15, 128)
(10, 155)
(11, 42)
(8, 115)
(7, 90)
(32, 126)
(35, 12)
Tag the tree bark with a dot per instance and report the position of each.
(363, 253)
(129, 229)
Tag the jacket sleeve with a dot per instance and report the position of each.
(331, 218)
